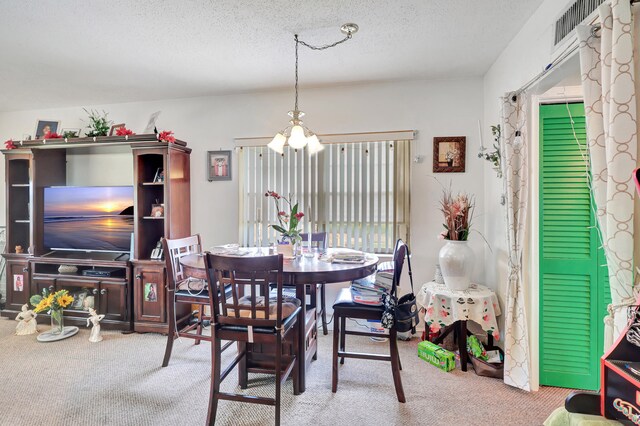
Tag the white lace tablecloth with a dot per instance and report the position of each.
(443, 307)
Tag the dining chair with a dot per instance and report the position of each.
(319, 242)
(183, 292)
(344, 307)
(249, 319)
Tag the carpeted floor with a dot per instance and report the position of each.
(119, 381)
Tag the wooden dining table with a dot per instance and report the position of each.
(300, 272)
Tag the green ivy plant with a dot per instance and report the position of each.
(99, 125)
(493, 156)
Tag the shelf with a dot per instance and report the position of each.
(153, 217)
(22, 221)
(20, 185)
(152, 183)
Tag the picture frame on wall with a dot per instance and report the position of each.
(449, 154)
(219, 165)
(44, 126)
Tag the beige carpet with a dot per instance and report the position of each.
(119, 382)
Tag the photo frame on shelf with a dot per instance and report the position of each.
(157, 210)
(449, 154)
(151, 124)
(115, 127)
(219, 165)
(44, 126)
(159, 176)
(72, 132)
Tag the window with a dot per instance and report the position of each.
(357, 191)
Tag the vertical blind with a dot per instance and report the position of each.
(358, 192)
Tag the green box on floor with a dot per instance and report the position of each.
(435, 355)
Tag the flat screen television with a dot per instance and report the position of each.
(91, 218)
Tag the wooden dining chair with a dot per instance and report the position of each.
(319, 242)
(344, 307)
(183, 292)
(251, 319)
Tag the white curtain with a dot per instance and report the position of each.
(515, 170)
(606, 61)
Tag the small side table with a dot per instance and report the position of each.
(448, 310)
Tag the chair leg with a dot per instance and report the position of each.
(216, 355)
(343, 328)
(199, 328)
(395, 364)
(295, 376)
(278, 376)
(324, 309)
(334, 358)
(171, 330)
(243, 375)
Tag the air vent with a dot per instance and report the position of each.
(574, 16)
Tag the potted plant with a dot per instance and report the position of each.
(288, 222)
(99, 125)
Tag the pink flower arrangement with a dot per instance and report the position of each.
(288, 222)
(166, 136)
(9, 144)
(123, 131)
(458, 212)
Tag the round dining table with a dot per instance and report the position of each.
(299, 272)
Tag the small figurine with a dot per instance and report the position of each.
(95, 319)
(27, 324)
(19, 249)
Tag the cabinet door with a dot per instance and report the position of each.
(38, 284)
(113, 301)
(149, 293)
(18, 288)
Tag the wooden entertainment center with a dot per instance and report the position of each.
(113, 283)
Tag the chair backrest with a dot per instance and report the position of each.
(174, 249)
(399, 254)
(238, 274)
(318, 239)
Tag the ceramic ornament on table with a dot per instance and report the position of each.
(27, 324)
(94, 319)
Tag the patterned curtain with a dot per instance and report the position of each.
(607, 68)
(515, 170)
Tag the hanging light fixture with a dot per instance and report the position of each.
(297, 135)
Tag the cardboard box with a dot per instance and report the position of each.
(435, 355)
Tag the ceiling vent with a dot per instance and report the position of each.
(577, 12)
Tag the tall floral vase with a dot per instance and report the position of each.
(57, 321)
(456, 261)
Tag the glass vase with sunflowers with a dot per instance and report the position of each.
(54, 304)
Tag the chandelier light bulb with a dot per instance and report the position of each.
(277, 143)
(314, 144)
(297, 140)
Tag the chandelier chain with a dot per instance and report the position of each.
(312, 47)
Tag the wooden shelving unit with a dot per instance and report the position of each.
(37, 164)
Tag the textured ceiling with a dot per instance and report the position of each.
(80, 52)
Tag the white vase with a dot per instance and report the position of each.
(456, 263)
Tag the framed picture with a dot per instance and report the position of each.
(73, 132)
(159, 176)
(45, 126)
(115, 127)
(219, 165)
(151, 124)
(151, 292)
(449, 154)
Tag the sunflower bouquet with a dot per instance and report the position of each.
(53, 304)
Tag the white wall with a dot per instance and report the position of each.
(433, 108)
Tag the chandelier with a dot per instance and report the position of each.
(296, 134)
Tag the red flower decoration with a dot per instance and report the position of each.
(9, 144)
(299, 215)
(51, 135)
(123, 131)
(166, 136)
(282, 213)
(272, 194)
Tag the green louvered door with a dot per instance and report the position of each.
(573, 282)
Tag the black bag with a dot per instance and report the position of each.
(406, 308)
(401, 314)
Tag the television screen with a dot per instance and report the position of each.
(96, 218)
